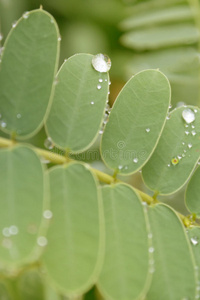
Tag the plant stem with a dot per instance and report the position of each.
(59, 159)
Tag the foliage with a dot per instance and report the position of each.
(61, 231)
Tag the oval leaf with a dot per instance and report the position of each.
(161, 36)
(138, 115)
(23, 196)
(176, 154)
(79, 103)
(74, 253)
(27, 71)
(192, 194)
(174, 276)
(125, 273)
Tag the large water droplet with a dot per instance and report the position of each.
(47, 214)
(188, 115)
(194, 240)
(48, 143)
(42, 241)
(101, 63)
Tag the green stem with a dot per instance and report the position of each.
(59, 159)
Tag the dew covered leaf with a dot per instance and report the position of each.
(125, 273)
(174, 275)
(78, 105)
(75, 238)
(176, 154)
(192, 193)
(158, 37)
(23, 189)
(136, 122)
(28, 67)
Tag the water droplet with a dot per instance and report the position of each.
(195, 110)
(59, 38)
(193, 126)
(184, 151)
(120, 167)
(106, 79)
(174, 161)
(147, 129)
(101, 63)
(188, 115)
(42, 241)
(186, 125)
(3, 124)
(170, 106)
(100, 80)
(194, 241)
(183, 143)
(150, 235)
(1, 36)
(179, 104)
(106, 117)
(193, 132)
(135, 160)
(186, 132)
(14, 24)
(13, 230)
(168, 117)
(109, 82)
(6, 232)
(189, 145)
(101, 131)
(151, 250)
(92, 102)
(47, 214)
(168, 165)
(126, 167)
(18, 116)
(179, 156)
(98, 86)
(48, 143)
(26, 15)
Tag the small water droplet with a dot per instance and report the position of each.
(170, 106)
(151, 250)
(150, 235)
(168, 117)
(174, 161)
(13, 230)
(3, 124)
(101, 131)
(6, 232)
(194, 240)
(179, 156)
(186, 132)
(106, 117)
(14, 24)
(147, 129)
(101, 63)
(184, 151)
(183, 143)
(18, 116)
(59, 38)
(92, 102)
(47, 214)
(195, 110)
(98, 86)
(193, 126)
(186, 125)
(193, 132)
(42, 241)
(52, 20)
(183, 155)
(135, 160)
(152, 270)
(109, 82)
(189, 145)
(48, 143)
(188, 115)
(106, 79)
(168, 165)
(100, 80)
(26, 15)
(120, 167)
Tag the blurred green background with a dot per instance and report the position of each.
(136, 35)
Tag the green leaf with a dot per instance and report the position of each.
(192, 193)
(75, 238)
(138, 115)
(78, 106)
(158, 16)
(23, 197)
(158, 37)
(179, 141)
(125, 273)
(4, 292)
(174, 276)
(27, 71)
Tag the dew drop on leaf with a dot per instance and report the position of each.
(186, 132)
(101, 63)
(26, 15)
(6, 232)
(47, 214)
(189, 145)
(42, 241)
(151, 250)
(3, 124)
(13, 230)
(188, 115)
(14, 24)
(98, 86)
(193, 132)
(48, 143)
(194, 241)
(100, 80)
(135, 160)
(92, 102)
(18, 116)
(147, 129)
